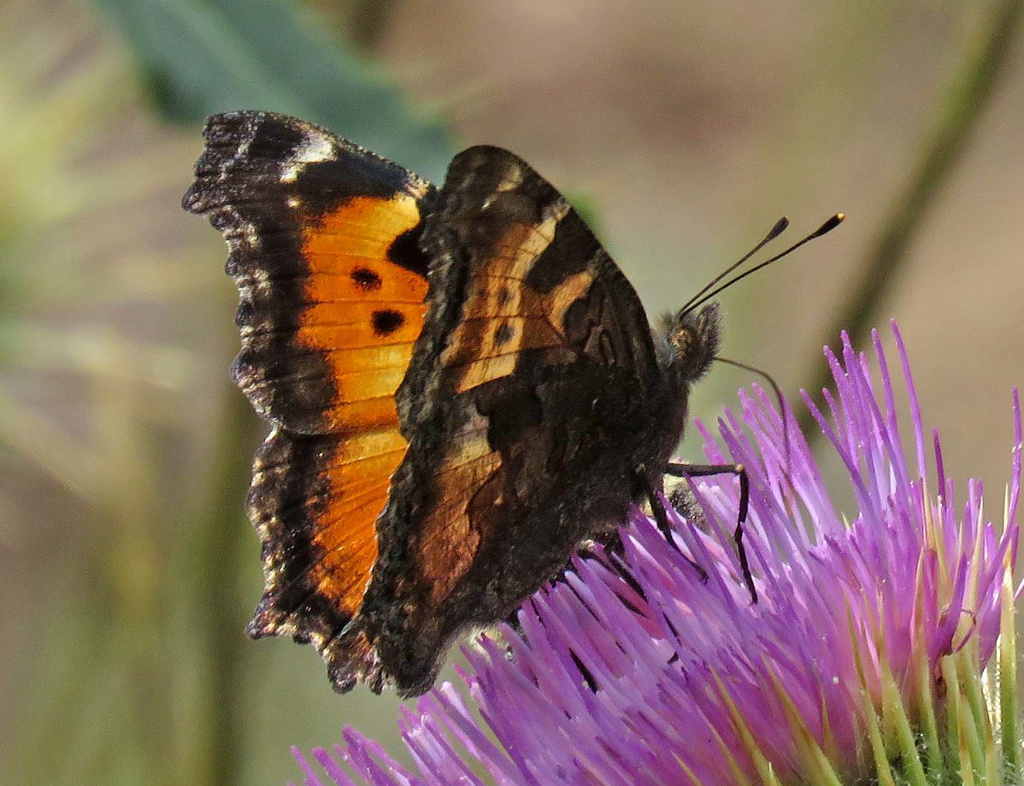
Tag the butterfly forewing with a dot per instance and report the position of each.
(322, 239)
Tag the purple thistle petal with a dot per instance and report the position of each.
(311, 778)
(663, 677)
(372, 763)
(915, 406)
(331, 767)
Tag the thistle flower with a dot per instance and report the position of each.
(881, 649)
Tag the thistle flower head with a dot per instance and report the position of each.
(881, 649)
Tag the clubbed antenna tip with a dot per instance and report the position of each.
(828, 226)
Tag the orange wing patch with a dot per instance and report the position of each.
(345, 536)
(314, 501)
(365, 312)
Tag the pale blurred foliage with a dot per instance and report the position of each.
(107, 398)
(690, 127)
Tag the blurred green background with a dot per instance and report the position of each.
(128, 569)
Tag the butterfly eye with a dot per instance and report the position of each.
(695, 339)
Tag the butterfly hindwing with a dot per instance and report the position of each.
(323, 244)
(508, 462)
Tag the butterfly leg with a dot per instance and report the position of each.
(661, 518)
(706, 470)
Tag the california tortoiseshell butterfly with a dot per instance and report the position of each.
(462, 387)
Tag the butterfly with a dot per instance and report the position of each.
(462, 387)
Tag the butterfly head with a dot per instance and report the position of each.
(693, 337)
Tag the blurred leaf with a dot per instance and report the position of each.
(205, 56)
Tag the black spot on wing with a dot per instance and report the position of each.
(366, 279)
(503, 334)
(569, 253)
(386, 322)
(405, 251)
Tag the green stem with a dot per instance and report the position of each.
(970, 92)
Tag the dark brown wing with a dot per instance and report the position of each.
(535, 357)
(323, 244)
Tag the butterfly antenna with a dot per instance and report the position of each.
(774, 232)
(824, 229)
